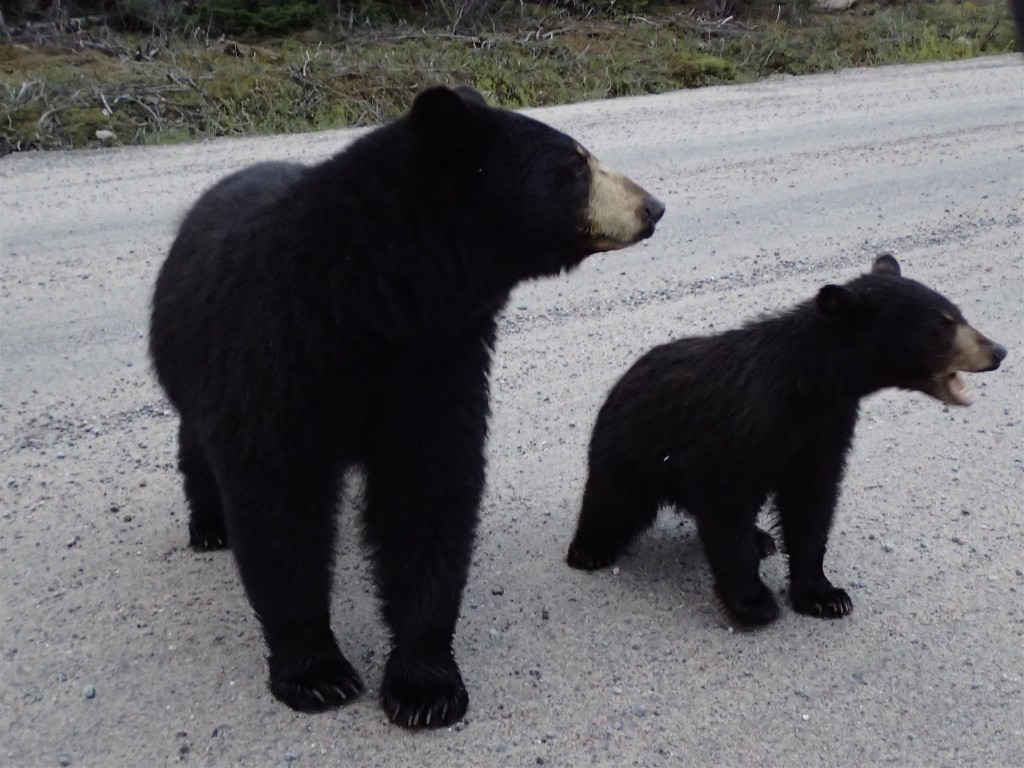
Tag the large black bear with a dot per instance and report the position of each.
(312, 318)
(714, 425)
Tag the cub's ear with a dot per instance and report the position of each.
(886, 264)
(444, 118)
(836, 302)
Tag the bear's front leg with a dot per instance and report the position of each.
(424, 480)
(806, 505)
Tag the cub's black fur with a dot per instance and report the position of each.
(714, 425)
(309, 319)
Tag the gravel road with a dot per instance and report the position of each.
(120, 647)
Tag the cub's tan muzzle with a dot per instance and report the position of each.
(972, 353)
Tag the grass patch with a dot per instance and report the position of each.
(80, 86)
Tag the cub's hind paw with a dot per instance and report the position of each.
(831, 603)
(766, 546)
(752, 610)
(206, 536)
(588, 561)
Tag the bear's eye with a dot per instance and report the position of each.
(577, 166)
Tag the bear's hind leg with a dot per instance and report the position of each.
(616, 509)
(282, 527)
(206, 529)
(806, 505)
(734, 551)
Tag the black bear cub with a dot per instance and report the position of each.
(713, 425)
(309, 319)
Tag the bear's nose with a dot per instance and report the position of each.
(654, 209)
(999, 353)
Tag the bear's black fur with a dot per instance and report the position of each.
(714, 425)
(308, 319)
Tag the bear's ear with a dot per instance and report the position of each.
(470, 94)
(886, 264)
(837, 302)
(443, 117)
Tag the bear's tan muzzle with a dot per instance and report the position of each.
(619, 211)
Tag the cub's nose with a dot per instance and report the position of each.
(999, 353)
(654, 209)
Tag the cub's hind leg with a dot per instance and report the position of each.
(617, 508)
(206, 529)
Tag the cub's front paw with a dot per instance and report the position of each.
(829, 603)
(423, 693)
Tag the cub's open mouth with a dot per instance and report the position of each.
(952, 389)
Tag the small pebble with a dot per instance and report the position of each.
(64, 759)
(617, 725)
(617, 689)
(615, 571)
(640, 710)
(540, 760)
(545, 615)
(72, 541)
(290, 757)
(498, 591)
(127, 518)
(495, 634)
(90, 692)
(805, 717)
(888, 547)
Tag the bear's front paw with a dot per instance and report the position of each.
(588, 561)
(314, 684)
(830, 603)
(423, 693)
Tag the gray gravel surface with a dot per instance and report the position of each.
(120, 647)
